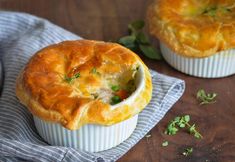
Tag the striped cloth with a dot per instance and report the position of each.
(21, 35)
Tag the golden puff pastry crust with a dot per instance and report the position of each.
(194, 28)
(60, 82)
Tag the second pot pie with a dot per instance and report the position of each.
(75, 83)
(196, 35)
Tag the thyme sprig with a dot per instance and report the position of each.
(182, 122)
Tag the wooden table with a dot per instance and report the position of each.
(107, 20)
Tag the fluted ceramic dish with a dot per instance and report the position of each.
(221, 64)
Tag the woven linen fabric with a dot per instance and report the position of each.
(21, 35)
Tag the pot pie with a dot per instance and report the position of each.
(81, 83)
(194, 34)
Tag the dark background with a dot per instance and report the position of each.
(107, 20)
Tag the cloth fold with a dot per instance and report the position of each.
(21, 35)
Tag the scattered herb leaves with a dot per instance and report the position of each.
(188, 151)
(137, 41)
(70, 79)
(165, 143)
(182, 122)
(206, 98)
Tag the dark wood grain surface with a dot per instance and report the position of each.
(107, 20)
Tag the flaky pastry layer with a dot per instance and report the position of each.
(43, 88)
(193, 28)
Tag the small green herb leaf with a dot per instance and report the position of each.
(165, 143)
(115, 88)
(70, 79)
(171, 128)
(127, 40)
(77, 75)
(186, 118)
(115, 100)
(93, 70)
(182, 125)
(150, 52)
(177, 119)
(211, 12)
(136, 25)
(142, 38)
(67, 79)
(188, 151)
(206, 98)
(192, 130)
(197, 135)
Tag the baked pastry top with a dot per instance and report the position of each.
(77, 82)
(193, 28)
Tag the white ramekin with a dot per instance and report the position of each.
(92, 137)
(219, 65)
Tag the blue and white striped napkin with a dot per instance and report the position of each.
(21, 35)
